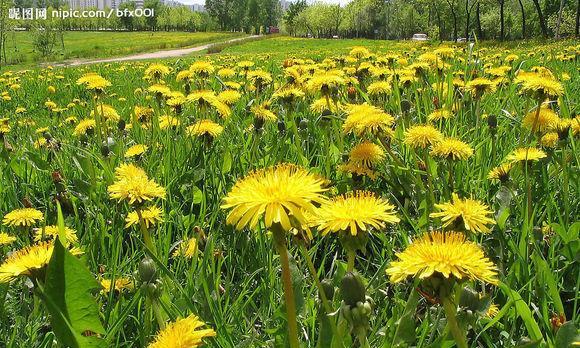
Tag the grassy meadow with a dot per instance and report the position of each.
(89, 45)
(293, 193)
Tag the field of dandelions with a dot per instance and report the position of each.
(413, 196)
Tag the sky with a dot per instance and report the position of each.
(201, 2)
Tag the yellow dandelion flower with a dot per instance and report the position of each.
(447, 254)
(288, 94)
(151, 216)
(26, 262)
(205, 128)
(156, 71)
(51, 232)
(379, 88)
(550, 139)
(93, 81)
(321, 105)
(136, 150)
(451, 148)
(325, 82)
(541, 121)
(422, 136)
(262, 112)
(469, 213)
(479, 86)
(159, 89)
(364, 118)
(525, 154)
(492, 311)
(135, 189)
(128, 170)
(439, 114)
(226, 73)
(186, 248)
(119, 285)
(358, 169)
(167, 121)
(83, 126)
(22, 217)
(277, 194)
(500, 173)
(367, 154)
(183, 333)
(541, 87)
(360, 52)
(229, 97)
(354, 212)
(6, 239)
(202, 68)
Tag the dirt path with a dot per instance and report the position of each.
(151, 55)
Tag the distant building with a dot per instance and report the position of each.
(101, 4)
(197, 8)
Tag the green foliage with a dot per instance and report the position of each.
(67, 293)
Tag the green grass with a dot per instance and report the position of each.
(105, 44)
(233, 282)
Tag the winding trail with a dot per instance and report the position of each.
(151, 55)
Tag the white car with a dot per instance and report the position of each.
(419, 37)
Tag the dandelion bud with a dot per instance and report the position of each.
(105, 151)
(352, 289)
(121, 125)
(281, 126)
(328, 289)
(436, 102)
(405, 105)
(147, 270)
(492, 122)
(259, 123)
(351, 92)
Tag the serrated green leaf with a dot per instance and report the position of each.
(74, 314)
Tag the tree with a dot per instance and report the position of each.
(127, 21)
(291, 14)
(451, 4)
(219, 9)
(501, 20)
(155, 6)
(523, 19)
(559, 22)
(541, 18)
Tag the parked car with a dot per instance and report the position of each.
(468, 39)
(419, 37)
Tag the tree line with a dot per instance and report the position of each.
(440, 19)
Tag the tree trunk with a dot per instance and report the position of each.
(578, 18)
(524, 19)
(559, 22)
(467, 15)
(541, 18)
(439, 24)
(454, 15)
(501, 20)
(478, 22)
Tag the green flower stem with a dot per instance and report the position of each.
(157, 313)
(565, 186)
(280, 243)
(429, 191)
(450, 314)
(145, 232)
(351, 255)
(314, 275)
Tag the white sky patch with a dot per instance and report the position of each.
(202, 2)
